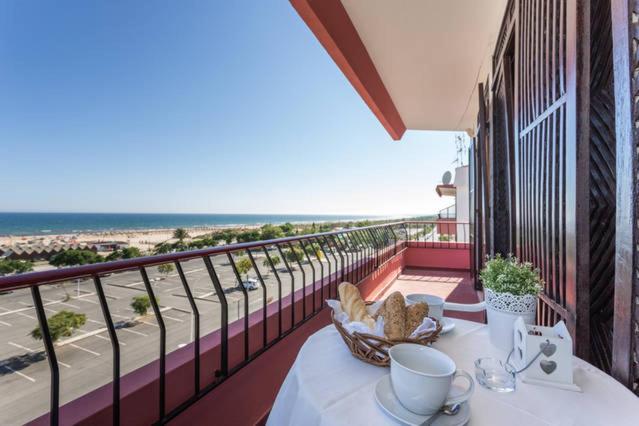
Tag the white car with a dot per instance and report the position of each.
(250, 284)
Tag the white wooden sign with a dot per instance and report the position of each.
(553, 367)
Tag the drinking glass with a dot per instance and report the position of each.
(495, 375)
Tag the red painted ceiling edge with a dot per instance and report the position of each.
(332, 26)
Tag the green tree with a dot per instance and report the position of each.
(243, 266)
(163, 248)
(294, 255)
(205, 241)
(62, 324)
(288, 229)
(270, 232)
(125, 253)
(275, 259)
(180, 234)
(227, 235)
(316, 250)
(18, 266)
(248, 236)
(165, 269)
(141, 304)
(325, 227)
(75, 257)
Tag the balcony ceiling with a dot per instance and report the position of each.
(429, 55)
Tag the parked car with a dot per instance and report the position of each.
(250, 284)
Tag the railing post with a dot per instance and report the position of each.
(394, 241)
(341, 257)
(279, 291)
(328, 260)
(297, 260)
(160, 321)
(290, 272)
(310, 262)
(263, 286)
(54, 415)
(229, 256)
(376, 246)
(355, 263)
(115, 347)
(319, 245)
(224, 316)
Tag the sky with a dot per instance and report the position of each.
(194, 107)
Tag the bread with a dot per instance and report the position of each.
(415, 316)
(394, 313)
(353, 304)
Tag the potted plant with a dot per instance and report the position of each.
(511, 289)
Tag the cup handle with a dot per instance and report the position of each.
(466, 395)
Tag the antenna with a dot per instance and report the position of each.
(462, 149)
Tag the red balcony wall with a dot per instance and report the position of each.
(438, 255)
(445, 227)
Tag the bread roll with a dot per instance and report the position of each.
(415, 316)
(353, 304)
(394, 313)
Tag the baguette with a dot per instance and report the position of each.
(353, 304)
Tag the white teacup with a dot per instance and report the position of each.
(435, 304)
(422, 378)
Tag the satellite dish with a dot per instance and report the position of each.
(447, 178)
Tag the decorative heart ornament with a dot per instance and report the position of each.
(547, 348)
(547, 366)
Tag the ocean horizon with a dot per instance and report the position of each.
(72, 223)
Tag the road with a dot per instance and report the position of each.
(86, 362)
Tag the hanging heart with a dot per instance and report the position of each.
(547, 366)
(547, 348)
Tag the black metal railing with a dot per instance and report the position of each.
(449, 213)
(437, 234)
(330, 257)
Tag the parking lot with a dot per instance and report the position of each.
(85, 359)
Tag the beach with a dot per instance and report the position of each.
(144, 239)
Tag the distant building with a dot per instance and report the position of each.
(459, 211)
(107, 245)
(37, 251)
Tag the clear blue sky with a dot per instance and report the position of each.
(193, 106)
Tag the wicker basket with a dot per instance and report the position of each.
(374, 349)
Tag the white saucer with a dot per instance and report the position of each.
(385, 397)
(447, 325)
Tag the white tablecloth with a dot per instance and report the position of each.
(328, 386)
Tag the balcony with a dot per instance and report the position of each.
(207, 335)
(552, 178)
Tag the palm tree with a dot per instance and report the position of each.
(180, 234)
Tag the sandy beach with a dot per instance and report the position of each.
(144, 239)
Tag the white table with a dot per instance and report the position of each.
(328, 386)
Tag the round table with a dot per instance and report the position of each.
(328, 386)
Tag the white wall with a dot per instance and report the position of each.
(462, 201)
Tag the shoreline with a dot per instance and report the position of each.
(213, 227)
(142, 238)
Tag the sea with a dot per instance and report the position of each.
(72, 223)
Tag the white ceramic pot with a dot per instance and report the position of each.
(502, 310)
